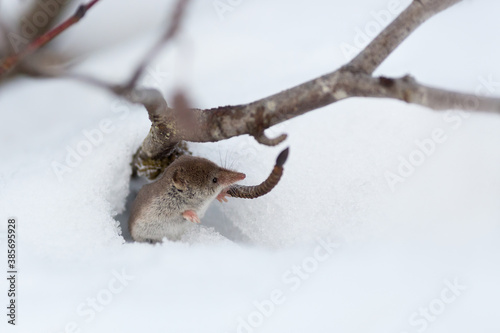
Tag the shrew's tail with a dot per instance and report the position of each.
(252, 192)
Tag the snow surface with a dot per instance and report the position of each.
(430, 244)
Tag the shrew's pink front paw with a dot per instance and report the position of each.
(191, 215)
(222, 196)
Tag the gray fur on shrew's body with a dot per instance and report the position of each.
(189, 183)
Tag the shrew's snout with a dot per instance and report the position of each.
(230, 177)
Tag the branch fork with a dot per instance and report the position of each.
(170, 126)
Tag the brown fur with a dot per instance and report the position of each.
(187, 184)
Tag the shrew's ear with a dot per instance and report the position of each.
(178, 179)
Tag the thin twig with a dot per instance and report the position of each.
(170, 126)
(10, 62)
(352, 80)
(37, 7)
(396, 32)
(172, 30)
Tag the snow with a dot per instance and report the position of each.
(334, 247)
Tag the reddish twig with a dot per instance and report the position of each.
(10, 62)
(127, 90)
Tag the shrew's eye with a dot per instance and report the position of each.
(214, 180)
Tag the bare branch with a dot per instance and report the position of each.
(225, 122)
(408, 90)
(170, 126)
(262, 138)
(395, 33)
(38, 7)
(8, 63)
